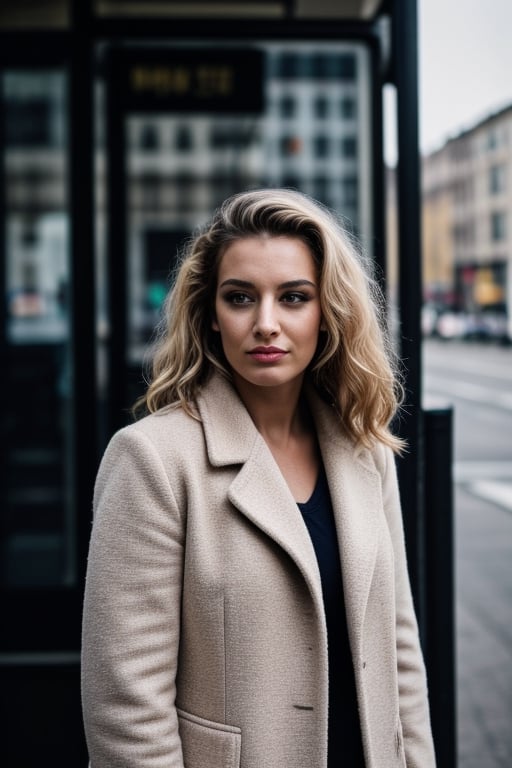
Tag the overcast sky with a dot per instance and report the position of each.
(465, 63)
(465, 66)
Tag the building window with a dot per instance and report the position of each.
(498, 226)
(287, 106)
(288, 66)
(321, 146)
(28, 123)
(321, 188)
(148, 139)
(497, 179)
(321, 107)
(346, 66)
(340, 66)
(320, 65)
(348, 108)
(350, 188)
(492, 139)
(228, 137)
(183, 138)
(220, 137)
(464, 234)
(349, 146)
(291, 181)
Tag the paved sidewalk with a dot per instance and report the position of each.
(483, 538)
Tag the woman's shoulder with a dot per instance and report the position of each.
(169, 417)
(170, 432)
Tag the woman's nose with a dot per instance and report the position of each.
(266, 322)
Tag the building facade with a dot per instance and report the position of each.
(467, 226)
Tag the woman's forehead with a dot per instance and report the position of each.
(268, 258)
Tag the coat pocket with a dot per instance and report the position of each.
(207, 744)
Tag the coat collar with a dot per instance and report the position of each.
(260, 492)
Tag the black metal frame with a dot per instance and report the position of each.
(405, 77)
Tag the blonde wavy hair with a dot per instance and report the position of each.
(354, 368)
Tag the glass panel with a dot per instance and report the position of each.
(37, 522)
(313, 134)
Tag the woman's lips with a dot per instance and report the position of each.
(267, 354)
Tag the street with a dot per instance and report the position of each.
(477, 380)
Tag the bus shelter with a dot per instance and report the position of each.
(124, 125)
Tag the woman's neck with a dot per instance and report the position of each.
(277, 412)
(282, 417)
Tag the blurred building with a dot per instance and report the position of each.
(313, 134)
(467, 226)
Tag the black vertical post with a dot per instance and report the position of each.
(4, 394)
(405, 75)
(378, 209)
(81, 189)
(425, 473)
(117, 405)
(439, 528)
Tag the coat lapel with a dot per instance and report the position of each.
(355, 488)
(259, 490)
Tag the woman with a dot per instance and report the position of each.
(247, 600)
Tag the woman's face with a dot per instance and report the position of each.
(267, 309)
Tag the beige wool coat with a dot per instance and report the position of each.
(204, 635)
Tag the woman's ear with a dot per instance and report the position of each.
(215, 325)
(323, 326)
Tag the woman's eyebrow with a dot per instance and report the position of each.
(238, 283)
(281, 286)
(296, 283)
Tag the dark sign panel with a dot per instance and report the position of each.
(189, 80)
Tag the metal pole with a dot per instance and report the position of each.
(440, 656)
(117, 405)
(405, 75)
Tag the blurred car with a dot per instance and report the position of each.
(472, 326)
(451, 325)
(483, 326)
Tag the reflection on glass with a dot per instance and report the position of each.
(37, 527)
(313, 135)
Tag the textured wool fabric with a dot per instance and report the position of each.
(204, 636)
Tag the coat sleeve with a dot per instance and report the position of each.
(131, 619)
(412, 685)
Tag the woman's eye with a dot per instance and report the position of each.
(294, 298)
(238, 298)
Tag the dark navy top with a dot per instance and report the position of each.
(344, 745)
